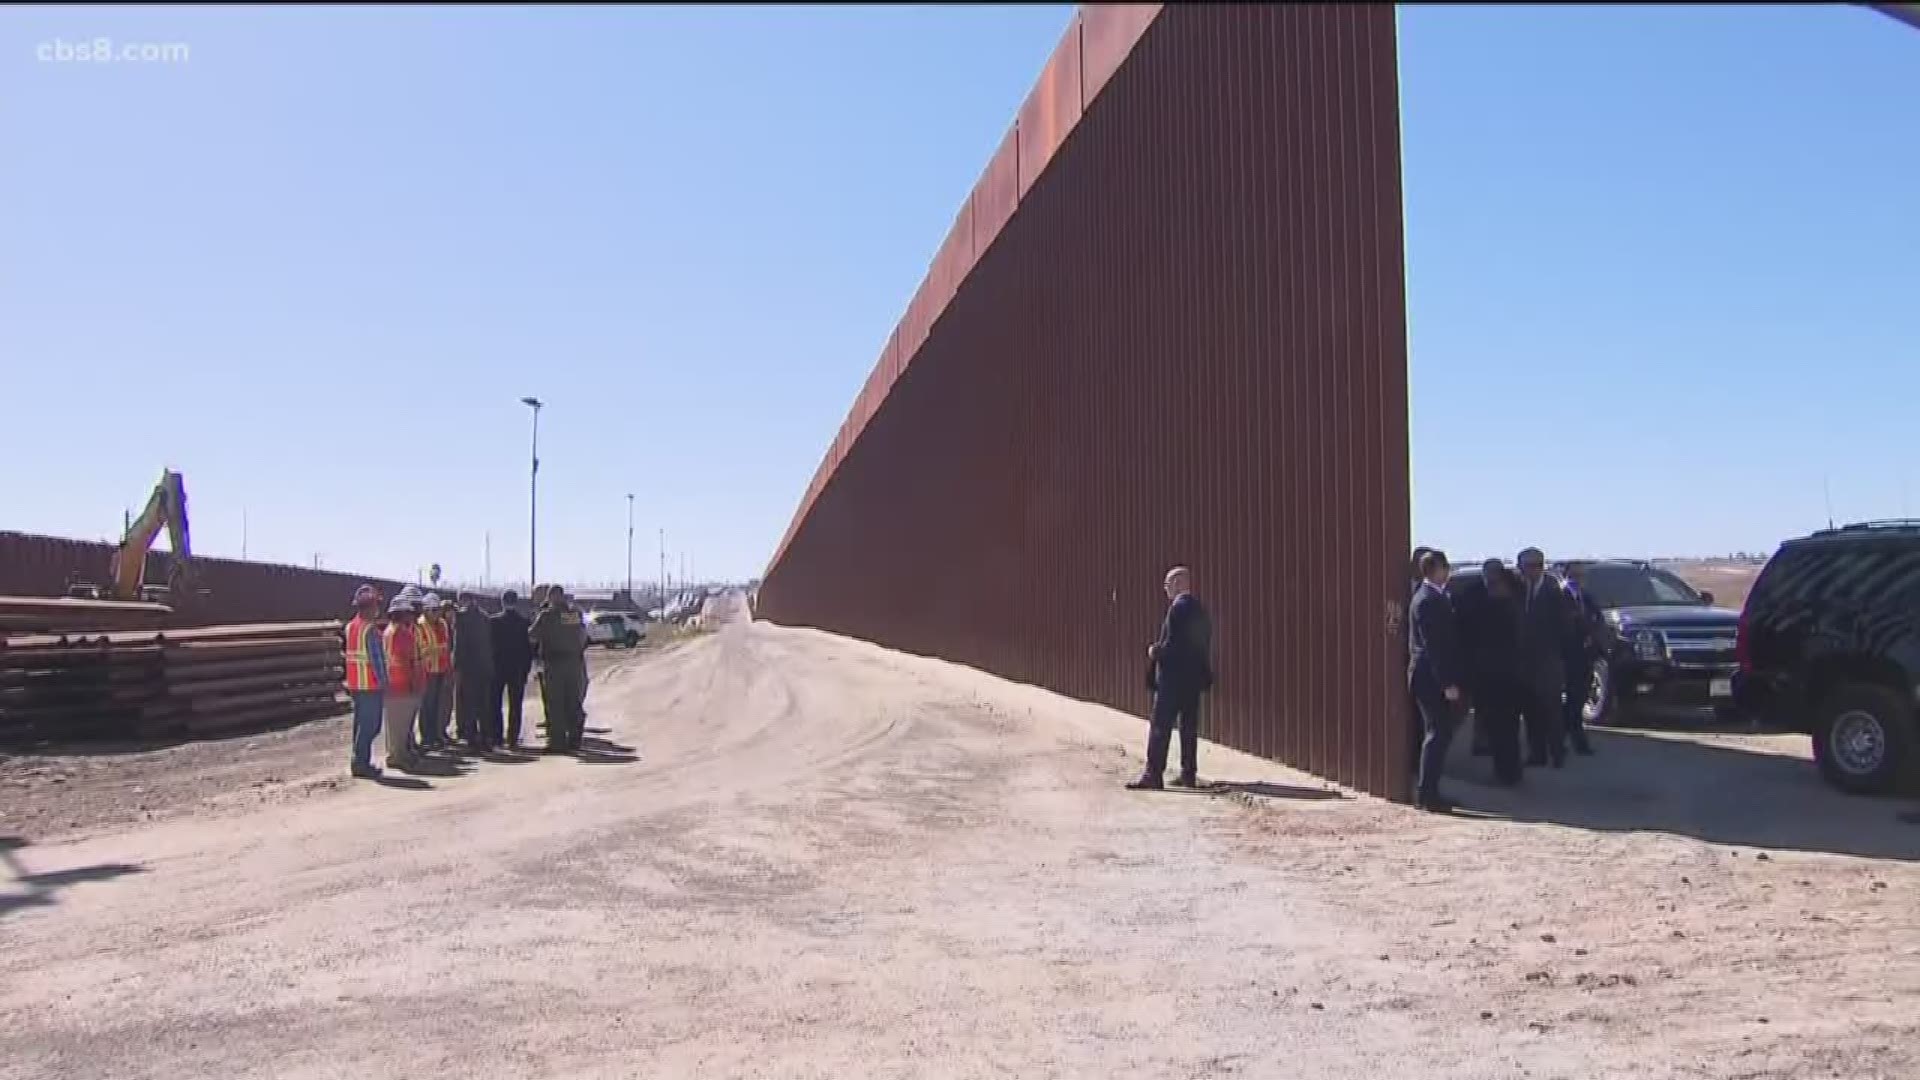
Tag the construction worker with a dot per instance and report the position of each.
(406, 679)
(436, 655)
(366, 678)
(561, 647)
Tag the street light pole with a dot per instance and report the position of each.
(663, 568)
(533, 500)
(629, 547)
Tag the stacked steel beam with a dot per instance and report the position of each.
(53, 614)
(79, 687)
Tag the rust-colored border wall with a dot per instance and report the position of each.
(1184, 343)
(237, 592)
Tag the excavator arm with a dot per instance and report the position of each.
(166, 509)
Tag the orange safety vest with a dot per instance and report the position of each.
(404, 671)
(360, 675)
(435, 655)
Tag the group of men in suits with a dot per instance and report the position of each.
(1510, 650)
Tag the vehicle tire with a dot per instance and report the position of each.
(1599, 709)
(1863, 738)
(633, 639)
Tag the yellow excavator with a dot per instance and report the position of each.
(166, 509)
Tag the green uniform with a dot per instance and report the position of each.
(561, 645)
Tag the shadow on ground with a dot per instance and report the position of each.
(69, 747)
(1261, 788)
(1725, 788)
(1267, 790)
(25, 889)
(1698, 725)
(606, 752)
(405, 783)
(443, 767)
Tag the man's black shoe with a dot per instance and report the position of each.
(1438, 805)
(1146, 783)
(1584, 749)
(1187, 780)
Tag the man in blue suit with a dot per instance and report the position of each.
(1434, 675)
(1182, 670)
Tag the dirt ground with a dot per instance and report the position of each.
(822, 859)
(78, 790)
(1728, 582)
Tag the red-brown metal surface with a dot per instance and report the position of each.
(1108, 34)
(997, 192)
(1185, 343)
(1050, 111)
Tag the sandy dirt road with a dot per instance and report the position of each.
(829, 860)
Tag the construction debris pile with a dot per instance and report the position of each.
(142, 684)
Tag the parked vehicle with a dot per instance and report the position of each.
(612, 628)
(1666, 650)
(1829, 644)
(683, 607)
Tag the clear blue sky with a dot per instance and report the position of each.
(1681, 243)
(298, 265)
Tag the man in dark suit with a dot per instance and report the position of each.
(1416, 731)
(473, 673)
(1489, 622)
(1182, 670)
(512, 659)
(1434, 675)
(1545, 622)
(1583, 648)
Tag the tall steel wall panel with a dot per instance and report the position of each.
(1178, 335)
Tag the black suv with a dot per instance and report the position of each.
(1665, 649)
(1830, 645)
